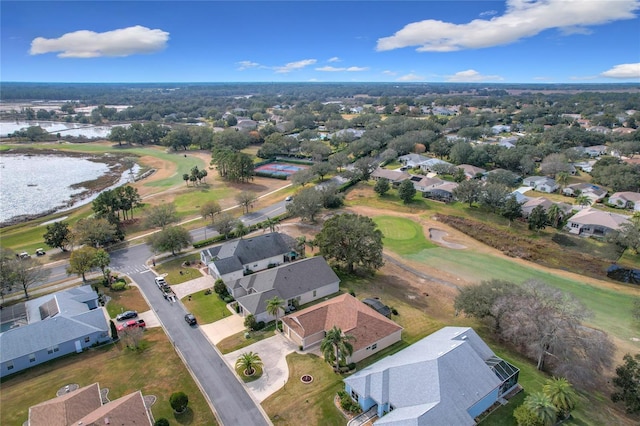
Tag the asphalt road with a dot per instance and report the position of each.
(232, 402)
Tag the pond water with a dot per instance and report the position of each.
(65, 129)
(32, 185)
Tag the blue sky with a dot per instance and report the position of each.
(514, 41)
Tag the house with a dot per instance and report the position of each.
(423, 183)
(585, 166)
(57, 324)
(296, 283)
(500, 128)
(443, 192)
(395, 177)
(593, 192)
(546, 204)
(448, 378)
(372, 332)
(596, 150)
(246, 124)
(85, 406)
(625, 200)
(412, 160)
(234, 259)
(541, 183)
(471, 172)
(594, 222)
(428, 166)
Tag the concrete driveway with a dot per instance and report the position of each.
(273, 352)
(221, 329)
(193, 286)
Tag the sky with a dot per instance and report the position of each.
(513, 41)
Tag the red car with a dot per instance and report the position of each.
(132, 324)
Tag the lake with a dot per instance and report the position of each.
(65, 129)
(36, 184)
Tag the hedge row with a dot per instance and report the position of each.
(218, 238)
(271, 175)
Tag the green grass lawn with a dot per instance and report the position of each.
(157, 370)
(173, 268)
(239, 341)
(401, 235)
(206, 307)
(126, 300)
(298, 403)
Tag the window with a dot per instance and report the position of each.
(354, 395)
(87, 339)
(9, 365)
(314, 293)
(32, 357)
(53, 349)
(374, 346)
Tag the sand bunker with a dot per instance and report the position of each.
(438, 235)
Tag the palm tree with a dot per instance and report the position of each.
(248, 362)
(301, 245)
(271, 223)
(554, 214)
(540, 404)
(561, 394)
(241, 230)
(274, 305)
(336, 346)
(562, 178)
(583, 200)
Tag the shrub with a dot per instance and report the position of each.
(259, 326)
(179, 401)
(161, 422)
(351, 366)
(228, 299)
(347, 403)
(351, 292)
(219, 287)
(394, 311)
(250, 322)
(119, 286)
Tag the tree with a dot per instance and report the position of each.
(336, 346)
(561, 394)
(210, 209)
(554, 164)
(628, 236)
(511, 209)
(248, 362)
(132, 336)
(583, 200)
(353, 241)
(95, 232)
(627, 383)
(7, 271)
(382, 186)
(241, 229)
(161, 215)
(246, 199)
(172, 238)
(468, 191)
(102, 260)
(540, 404)
(554, 215)
(179, 401)
(274, 306)
(479, 301)
(82, 261)
(225, 224)
(322, 169)
(493, 196)
(302, 177)
(161, 422)
(27, 272)
(364, 167)
(525, 417)
(58, 235)
(306, 204)
(406, 191)
(538, 219)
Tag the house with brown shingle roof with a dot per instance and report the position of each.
(627, 199)
(395, 177)
(472, 172)
(84, 406)
(372, 331)
(591, 221)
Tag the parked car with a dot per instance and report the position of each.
(24, 255)
(132, 324)
(40, 252)
(190, 319)
(289, 198)
(127, 315)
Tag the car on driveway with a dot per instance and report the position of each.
(190, 319)
(127, 315)
(134, 323)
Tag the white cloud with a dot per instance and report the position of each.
(334, 59)
(522, 19)
(292, 66)
(471, 76)
(244, 65)
(623, 71)
(410, 77)
(337, 69)
(89, 44)
(489, 13)
(389, 72)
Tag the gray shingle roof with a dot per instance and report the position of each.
(286, 281)
(232, 255)
(434, 381)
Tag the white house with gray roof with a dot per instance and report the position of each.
(448, 378)
(57, 324)
(599, 223)
(298, 283)
(235, 259)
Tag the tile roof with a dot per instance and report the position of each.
(127, 410)
(348, 314)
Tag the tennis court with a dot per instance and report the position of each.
(279, 169)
